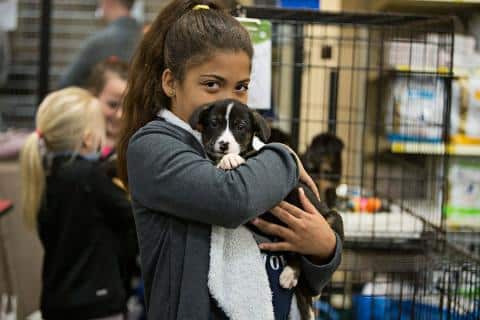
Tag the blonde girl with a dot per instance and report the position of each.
(70, 119)
(78, 212)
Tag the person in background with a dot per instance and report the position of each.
(119, 39)
(78, 212)
(108, 82)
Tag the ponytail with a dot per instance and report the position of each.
(185, 33)
(32, 179)
(62, 120)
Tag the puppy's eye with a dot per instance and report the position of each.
(240, 125)
(214, 123)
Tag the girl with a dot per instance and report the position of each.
(195, 53)
(77, 210)
(108, 82)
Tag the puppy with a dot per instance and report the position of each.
(228, 130)
(323, 159)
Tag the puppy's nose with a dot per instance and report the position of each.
(223, 146)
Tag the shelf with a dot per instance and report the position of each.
(435, 148)
(439, 71)
(443, 72)
(463, 230)
(428, 6)
(461, 223)
(407, 71)
(381, 225)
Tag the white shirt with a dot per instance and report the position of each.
(170, 117)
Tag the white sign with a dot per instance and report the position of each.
(9, 10)
(260, 88)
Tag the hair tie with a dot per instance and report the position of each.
(201, 6)
(43, 151)
(113, 59)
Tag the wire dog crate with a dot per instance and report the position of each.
(381, 85)
(413, 285)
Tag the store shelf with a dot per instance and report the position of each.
(381, 225)
(464, 223)
(443, 72)
(406, 71)
(435, 148)
(426, 5)
(440, 71)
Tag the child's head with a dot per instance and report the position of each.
(194, 53)
(108, 82)
(68, 120)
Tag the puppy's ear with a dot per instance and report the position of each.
(338, 144)
(199, 117)
(308, 163)
(262, 129)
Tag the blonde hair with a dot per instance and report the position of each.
(63, 120)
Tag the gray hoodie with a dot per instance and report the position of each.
(177, 194)
(118, 39)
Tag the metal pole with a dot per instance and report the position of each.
(333, 102)
(297, 85)
(44, 64)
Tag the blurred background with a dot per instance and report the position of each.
(380, 97)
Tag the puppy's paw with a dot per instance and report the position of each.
(230, 161)
(288, 278)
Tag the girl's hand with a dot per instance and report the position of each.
(304, 176)
(307, 232)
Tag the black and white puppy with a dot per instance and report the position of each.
(228, 128)
(229, 131)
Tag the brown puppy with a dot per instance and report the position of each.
(323, 160)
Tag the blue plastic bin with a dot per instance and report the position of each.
(382, 308)
(311, 4)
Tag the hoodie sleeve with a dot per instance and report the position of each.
(317, 276)
(167, 175)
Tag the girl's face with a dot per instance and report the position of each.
(111, 101)
(94, 136)
(226, 75)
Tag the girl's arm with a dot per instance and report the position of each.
(316, 276)
(171, 177)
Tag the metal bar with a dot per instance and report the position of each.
(446, 131)
(333, 102)
(364, 124)
(325, 17)
(297, 84)
(378, 121)
(44, 63)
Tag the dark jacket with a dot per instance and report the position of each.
(178, 194)
(118, 39)
(81, 223)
